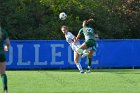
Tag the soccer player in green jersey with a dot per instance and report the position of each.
(3, 37)
(88, 33)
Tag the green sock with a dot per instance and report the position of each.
(4, 81)
(89, 61)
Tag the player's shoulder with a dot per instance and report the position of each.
(81, 29)
(69, 33)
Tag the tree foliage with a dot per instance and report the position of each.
(38, 19)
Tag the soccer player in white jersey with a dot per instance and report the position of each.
(75, 46)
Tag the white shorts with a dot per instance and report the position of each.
(75, 46)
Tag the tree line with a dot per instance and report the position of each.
(38, 19)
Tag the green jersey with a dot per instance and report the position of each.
(3, 36)
(88, 33)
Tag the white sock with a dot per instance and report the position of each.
(79, 67)
(87, 50)
(88, 66)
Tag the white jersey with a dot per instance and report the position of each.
(70, 39)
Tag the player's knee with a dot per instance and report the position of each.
(80, 51)
(90, 54)
(76, 60)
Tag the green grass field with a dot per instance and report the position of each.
(71, 81)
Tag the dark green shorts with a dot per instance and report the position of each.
(2, 57)
(90, 43)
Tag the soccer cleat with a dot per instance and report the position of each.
(88, 70)
(5, 91)
(82, 72)
(84, 54)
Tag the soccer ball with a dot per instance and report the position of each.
(62, 15)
